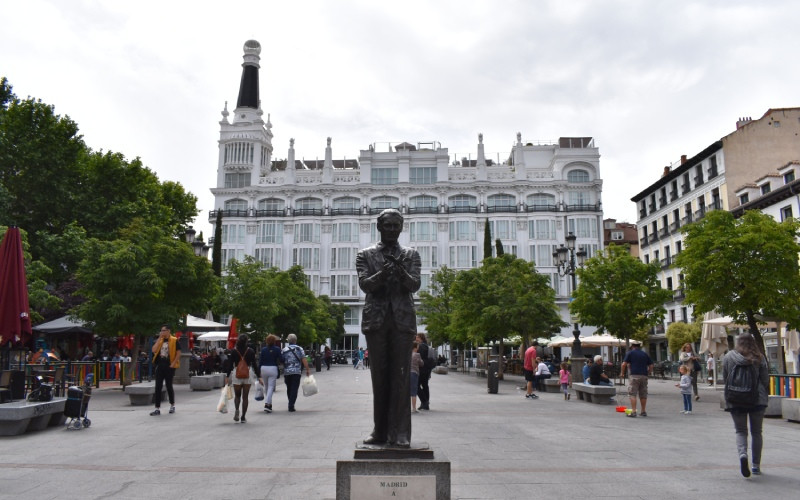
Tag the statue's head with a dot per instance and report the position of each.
(390, 225)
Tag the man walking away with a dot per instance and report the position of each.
(640, 366)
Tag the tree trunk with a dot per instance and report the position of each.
(751, 322)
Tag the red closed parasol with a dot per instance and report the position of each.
(15, 321)
(232, 334)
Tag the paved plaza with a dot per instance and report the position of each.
(500, 446)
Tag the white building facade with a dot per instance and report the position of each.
(318, 214)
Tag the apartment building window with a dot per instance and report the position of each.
(765, 188)
(344, 285)
(503, 229)
(788, 177)
(237, 180)
(422, 231)
(422, 201)
(669, 283)
(617, 235)
(307, 258)
(501, 201)
(463, 256)
(384, 202)
(583, 227)
(462, 201)
(578, 176)
(786, 213)
(580, 199)
(343, 258)
(384, 176)
(542, 255)
(269, 231)
(422, 175)
(647, 258)
(698, 176)
(347, 205)
(462, 231)
(712, 167)
(269, 257)
(230, 254)
(672, 315)
(345, 232)
(264, 156)
(541, 229)
(555, 283)
(272, 206)
(306, 233)
(678, 247)
(684, 315)
(233, 233)
(237, 206)
(351, 316)
(428, 256)
(239, 152)
(744, 198)
(543, 201)
(686, 185)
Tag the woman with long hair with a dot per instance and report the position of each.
(241, 386)
(746, 353)
(268, 363)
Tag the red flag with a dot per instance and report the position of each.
(232, 334)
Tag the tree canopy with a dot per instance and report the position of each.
(619, 293)
(436, 306)
(742, 267)
(680, 333)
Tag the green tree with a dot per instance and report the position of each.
(333, 330)
(619, 294)
(503, 298)
(742, 267)
(251, 294)
(680, 333)
(436, 307)
(300, 312)
(142, 279)
(499, 246)
(216, 252)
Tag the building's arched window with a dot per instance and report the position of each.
(578, 175)
(239, 152)
(542, 200)
(347, 202)
(236, 205)
(271, 204)
(422, 201)
(308, 203)
(384, 202)
(462, 200)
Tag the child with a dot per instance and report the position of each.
(416, 363)
(686, 389)
(564, 378)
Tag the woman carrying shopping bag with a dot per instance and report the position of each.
(242, 362)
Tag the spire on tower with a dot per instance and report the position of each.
(248, 88)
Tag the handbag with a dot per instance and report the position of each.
(309, 386)
(222, 405)
(259, 391)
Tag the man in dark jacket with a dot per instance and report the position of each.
(389, 274)
(424, 391)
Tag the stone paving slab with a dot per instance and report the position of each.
(500, 446)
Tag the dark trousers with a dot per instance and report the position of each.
(292, 385)
(423, 391)
(390, 357)
(164, 374)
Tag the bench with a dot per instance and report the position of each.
(552, 385)
(790, 409)
(144, 394)
(598, 394)
(18, 417)
(202, 382)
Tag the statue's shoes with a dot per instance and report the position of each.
(374, 440)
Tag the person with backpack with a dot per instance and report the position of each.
(240, 362)
(746, 378)
(428, 356)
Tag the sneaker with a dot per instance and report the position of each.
(643, 414)
(756, 470)
(268, 408)
(155, 413)
(632, 414)
(569, 396)
(172, 409)
(244, 420)
(291, 408)
(688, 412)
(743, 466)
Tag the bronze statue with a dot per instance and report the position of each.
(389, 274)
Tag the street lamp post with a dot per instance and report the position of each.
(568, 260)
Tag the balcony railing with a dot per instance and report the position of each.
(674, 226)
(346, 211)
(541, 208)
(423, 210)
(698, 180)
(501, 209)
(712, 173)
(699, 214)
(642, 213)
(463, 210)
(686, 220)
(685, 188)
(662, 201)
(665, 263)
(673, 195)
(678, 294)
(307, 211)
(653, 237)
(270, 213)
(663, 232)
(583, 208)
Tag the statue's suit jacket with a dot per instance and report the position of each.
(395, 291)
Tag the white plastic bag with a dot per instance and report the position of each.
(309, 386)
(228, 391)
(222, 406)
(259, 391)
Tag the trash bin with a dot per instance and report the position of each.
(491, 377)
(317, 362)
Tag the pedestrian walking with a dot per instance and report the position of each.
(710, 368)
(565, 378)
(425, 371)
(268, 361)
(242, 362)
(640, 366)
(746, 401)
(166, 359)
(689, 358)
(294, 360)
(416, 365)
(685, 386)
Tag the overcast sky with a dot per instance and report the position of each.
(649, 80)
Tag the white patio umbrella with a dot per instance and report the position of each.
(213, 336)
(604, 340)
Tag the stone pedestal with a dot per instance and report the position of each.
(393, 473)
(182, 373)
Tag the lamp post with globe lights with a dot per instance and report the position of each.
(568, 261)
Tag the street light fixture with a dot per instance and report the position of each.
(568, 261)
(198, 245)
